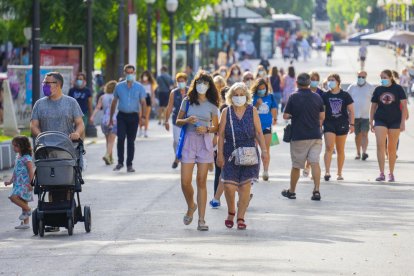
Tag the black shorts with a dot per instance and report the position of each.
(362, 58)
(148, 100)
(267, 131)
(390, 125)
(163, 98)
(338, 128)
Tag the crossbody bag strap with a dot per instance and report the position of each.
(232, 129)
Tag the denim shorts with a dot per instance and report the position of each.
(198, 148)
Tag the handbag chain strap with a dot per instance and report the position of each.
(232, 129)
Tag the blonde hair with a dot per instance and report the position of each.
(235, 87)
(110, 86)
(219, 82)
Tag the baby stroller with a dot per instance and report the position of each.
(58, 173)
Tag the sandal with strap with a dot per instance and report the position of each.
(316, 195)
(241, 225)
(202, 225)
(229, 223)
(188, 219)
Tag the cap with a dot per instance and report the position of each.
(303, 79)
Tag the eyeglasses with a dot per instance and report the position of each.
(48, 82)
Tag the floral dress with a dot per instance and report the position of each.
(245, 134)
(21, 178)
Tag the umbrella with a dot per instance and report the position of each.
(382, 36)
(403, 37)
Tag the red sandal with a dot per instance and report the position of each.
(229, 223)
(241, 225)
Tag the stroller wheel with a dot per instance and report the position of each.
(35, 225)
(87, 218)
(70, 226)
(41, 228)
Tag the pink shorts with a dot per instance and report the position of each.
(198, 148)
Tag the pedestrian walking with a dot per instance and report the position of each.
(81, 93)
(289, 85)
(104, 103)
(265, 62)
(339, 120)
(267, 110)
(149, 84)
(248, 79)
(199, 113)
(276, 83)
(306, 110)
(405, 81)
(174, 103)
(56, 112)
(362, 55)
(131, 95)
(234, 75)
(21, 179)
(165, 85)
(239, 128)
(328, 50)
(387, 119)
(218, 184)
(361, 92)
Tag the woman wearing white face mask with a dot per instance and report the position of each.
(149, 83)
(339, 120)
(234, 75)
(199, 112)
(247, 130)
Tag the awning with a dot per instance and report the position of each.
(382, 36)
(403, 37)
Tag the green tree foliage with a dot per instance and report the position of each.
(302, 8)
(64, 22)
(341, 11)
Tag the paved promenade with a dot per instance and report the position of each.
(360, 227)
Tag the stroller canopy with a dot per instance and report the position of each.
(54, 140)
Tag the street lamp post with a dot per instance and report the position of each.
(36, 52)
(121, 37)
(172, 6)
(89, 46)
(149, 41)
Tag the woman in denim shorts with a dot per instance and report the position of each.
(110, 133)
(201, 120)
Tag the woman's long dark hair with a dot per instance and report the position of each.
(23, 143)
(291, 71)
(259, 82)
(230, 71)
(211, 94)
(275, 72)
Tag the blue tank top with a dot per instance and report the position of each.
(178, 98)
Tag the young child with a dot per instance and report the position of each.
(21, 179)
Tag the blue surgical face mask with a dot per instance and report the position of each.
(314, 84)
(261, 92)
(181, 84)
(361, 81)
(79, 83)
(130, 77)
(385, 82)
(331, 84)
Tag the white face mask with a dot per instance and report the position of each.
(239, 100)
(145, 78)
(261, 73)
(248, 83)
(235, 72)
(223, 73)
(202, 88)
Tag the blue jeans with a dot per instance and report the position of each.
(278, 97)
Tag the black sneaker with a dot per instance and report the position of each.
(288, 194)
(118, 167)
(130, 169)
(364, 156)
(316, 196)
(174, 165)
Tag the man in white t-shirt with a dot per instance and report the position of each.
(361, 93)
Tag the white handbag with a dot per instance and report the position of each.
(243, 156)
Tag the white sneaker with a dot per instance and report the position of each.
(145, 134)
(140, 133)
(22, 226)
(265, 176)
(25, 215)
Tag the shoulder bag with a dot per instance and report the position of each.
(243, 156)
(287, 133)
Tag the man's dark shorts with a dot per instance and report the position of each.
(163, 98)
(361, 125)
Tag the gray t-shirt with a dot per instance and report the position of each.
(204, 112)
(57, 115)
